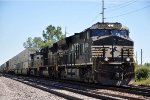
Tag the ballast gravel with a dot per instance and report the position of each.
(14, 90)
(121, 93)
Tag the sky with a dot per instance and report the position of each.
(20, 19)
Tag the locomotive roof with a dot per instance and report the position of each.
(109, 26)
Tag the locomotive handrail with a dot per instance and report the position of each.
(94, 60)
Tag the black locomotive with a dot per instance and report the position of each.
(102, 53)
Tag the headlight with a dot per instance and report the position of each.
(106, 59)
(128, 59)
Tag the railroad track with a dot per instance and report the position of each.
(144, 91)
(132, 89)
(75, 87)
(138, 87)
(45, 85)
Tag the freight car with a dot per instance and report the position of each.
(102, 54)
(19, 64)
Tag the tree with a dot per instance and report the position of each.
(28, 43)
(36, 42)
(51, 35)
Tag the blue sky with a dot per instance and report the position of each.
(20, 19)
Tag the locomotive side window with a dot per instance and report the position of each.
(98, 32)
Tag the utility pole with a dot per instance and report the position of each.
(141, 56)
(103, 11)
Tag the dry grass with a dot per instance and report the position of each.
(143, 82)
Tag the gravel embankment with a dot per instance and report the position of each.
(13, 90)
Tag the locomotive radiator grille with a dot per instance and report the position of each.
(117, 53)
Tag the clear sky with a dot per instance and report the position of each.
(20, 19)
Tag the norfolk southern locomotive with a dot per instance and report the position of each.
(102, 54)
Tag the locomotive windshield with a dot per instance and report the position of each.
(119, 32)
(100, 32)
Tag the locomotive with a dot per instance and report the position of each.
(102, 53)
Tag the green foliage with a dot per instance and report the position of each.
(46, 43)
(36, 42)
(141, 74)
(143, 81)
(51, 35)
(147, 64)
(28, 43)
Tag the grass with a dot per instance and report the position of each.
(143, 82)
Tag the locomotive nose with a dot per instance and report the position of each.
(113, 40)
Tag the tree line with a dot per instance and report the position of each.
(50, 35)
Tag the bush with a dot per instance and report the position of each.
(142, 74)
(147, 64)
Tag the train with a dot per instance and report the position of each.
(102, 53)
